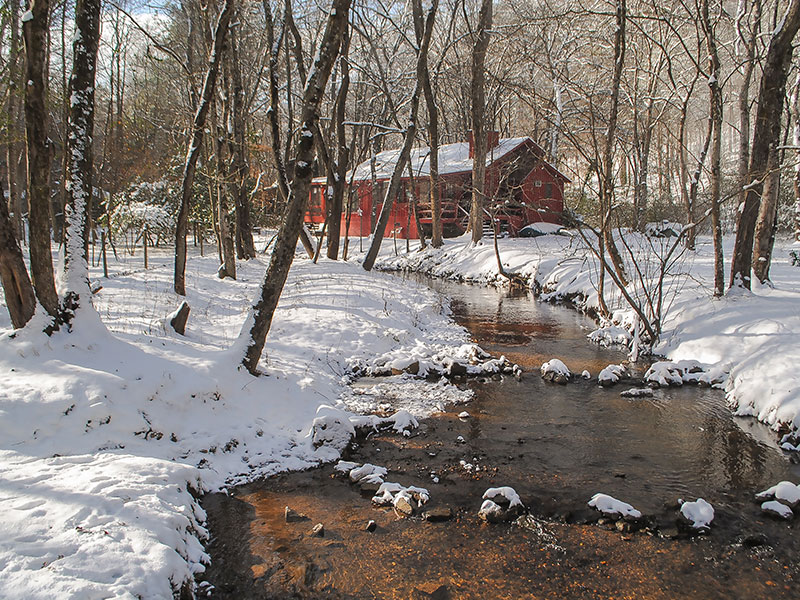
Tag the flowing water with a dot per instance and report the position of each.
(557, 446)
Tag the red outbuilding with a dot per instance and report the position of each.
(521, 188)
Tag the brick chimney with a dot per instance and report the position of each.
(492, 140)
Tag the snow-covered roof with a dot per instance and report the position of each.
(453, 158)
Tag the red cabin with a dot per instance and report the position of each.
(521, 188)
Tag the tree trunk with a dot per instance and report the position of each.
(272, 113)
(715, 99)
(405, 151)
(796, 144)
(34, 31)
(79, 136)
(17, 287)
(607, 176)
(12, 114)
(342, 155)
(766, 137)
(433, 130)
(479, 135)
(765, 226)
(255, 330)
(227, 266)
(748, 64)
(688, 199)
(245, 247)
(193, 152)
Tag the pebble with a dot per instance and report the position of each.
(293, 516)
(436, 515)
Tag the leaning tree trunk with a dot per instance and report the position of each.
(34, 30)
(405, 151)
(766, 137)
(478, 99)
(255, 330)
(79, 146)
(17, 287)
(193, 152)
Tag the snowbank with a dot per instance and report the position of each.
(108, 435)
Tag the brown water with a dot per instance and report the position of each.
(556, 445)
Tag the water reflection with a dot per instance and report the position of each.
(681, 442)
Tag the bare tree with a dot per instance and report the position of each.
(337, 169)
(195, 144)
(35, 28)
(15, 200)
(433, 131)
(715, 99)
(408, 140)
(479, 134)
(245, 248)
(759, 205)
(17, 287)
(256, 327)
(80, 149)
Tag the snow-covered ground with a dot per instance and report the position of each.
(108, 434)
(754, 336)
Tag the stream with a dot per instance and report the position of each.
(556, 446)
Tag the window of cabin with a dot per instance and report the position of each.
(548, 190)
(537, 183)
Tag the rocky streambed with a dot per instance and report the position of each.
(557, 446)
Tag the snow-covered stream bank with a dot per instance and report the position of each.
(109, 433)
(557, 446)
(753, 336)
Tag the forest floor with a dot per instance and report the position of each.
(109, 434)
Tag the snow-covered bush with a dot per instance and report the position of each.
(145, 205)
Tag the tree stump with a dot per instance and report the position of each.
(177, 320)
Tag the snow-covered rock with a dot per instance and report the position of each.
(500, 504)
(504, 495)
(611, 375)
(637, 393)
(785, 491)
(331, 427)
(367, 473)
(463, 415)
(611, 335)
(676, 373)
(406, 500)
(608, 505)
(777, 509)
(491, 512)
(556, 371)
(697, 515)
